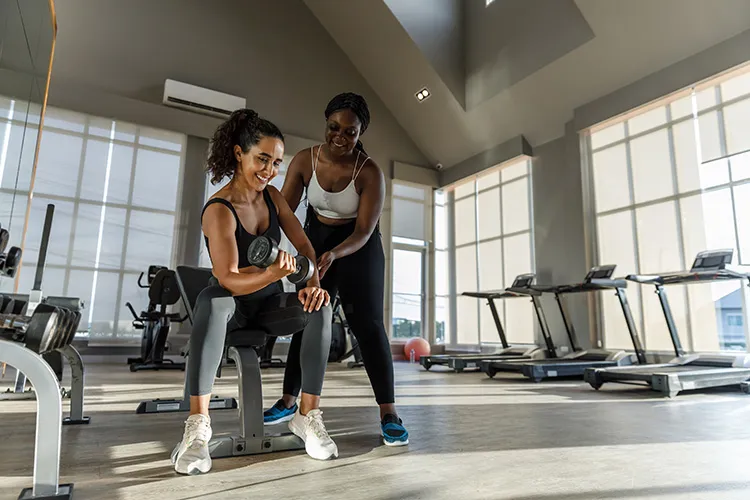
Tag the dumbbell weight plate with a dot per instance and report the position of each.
(262, 252)
(4, 237)
(303, 272)
(6, 307)
(12, 260)
(42, 328)
(73, 327)
(63, 327)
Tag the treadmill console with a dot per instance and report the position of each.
(712, 260)
(600, 273)
(523, 281)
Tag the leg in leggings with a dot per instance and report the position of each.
(293, 370)
(361, 287)
(277, 313)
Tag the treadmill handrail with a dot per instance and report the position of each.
(502, 294)
(594, 285)
(687, 277)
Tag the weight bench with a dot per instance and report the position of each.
(243, 346)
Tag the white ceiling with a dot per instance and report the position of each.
(632, 39)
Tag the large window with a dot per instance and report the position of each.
(115, 187)
(669, 182)
(492, 243)
(410, 224)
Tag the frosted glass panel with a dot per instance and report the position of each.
(465, 221)
(517, 256)
(156, 180)
(441, 226)
(467, 320)
(491, 265)
(489, 214)
(742, 209)
(407, 191)
(516, 206)
(737, 126)
(488, 180)
(608, 135)
(648, 120)
(740, 166)
(514, 171)
(658, 238)
(707, 223)
(466, 269)
(519, 321)
(611, 178)
(464, 189)
(149, 240)
(652, 169)
(708, 124)
(617, 246)
(736, 87)
(58, 165)
(408, 219)
(692, 175)
(442, 273)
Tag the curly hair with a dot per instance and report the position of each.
(243, 128)
(354, 103)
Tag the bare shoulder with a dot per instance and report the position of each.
(371, 173)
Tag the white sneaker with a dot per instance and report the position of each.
(191, 455)
(310, 429)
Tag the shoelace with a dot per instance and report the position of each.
(315, 423)
(197, 430)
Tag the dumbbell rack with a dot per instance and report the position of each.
(25, 353)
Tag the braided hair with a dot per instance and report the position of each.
(243, 128)
(357, 105)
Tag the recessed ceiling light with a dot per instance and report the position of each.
(423, 94)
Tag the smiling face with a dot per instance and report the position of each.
(260, 164)
(342, 132)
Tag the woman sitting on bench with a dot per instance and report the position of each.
(248, 150)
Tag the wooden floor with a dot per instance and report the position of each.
(472, 438)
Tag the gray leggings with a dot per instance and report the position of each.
(271, 310)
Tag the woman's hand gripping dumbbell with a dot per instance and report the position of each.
(264, 252)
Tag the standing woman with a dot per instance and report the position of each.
(345, 192)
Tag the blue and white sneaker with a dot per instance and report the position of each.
(393, 431)
(278, 413)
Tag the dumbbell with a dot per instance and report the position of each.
(264, 251)
(41, 330)
(9, 262)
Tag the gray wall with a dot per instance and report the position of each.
(438, 31)
(114, 56)
(511, 39)
(558, 230)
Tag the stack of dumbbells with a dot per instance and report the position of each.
(9, 260)
(43, 328)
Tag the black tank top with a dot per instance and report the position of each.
(241, 236)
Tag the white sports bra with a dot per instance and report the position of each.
(340, 205)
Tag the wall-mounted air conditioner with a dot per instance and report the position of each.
(201, 100)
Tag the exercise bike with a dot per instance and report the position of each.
(155, 321)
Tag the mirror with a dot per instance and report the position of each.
(27, 36)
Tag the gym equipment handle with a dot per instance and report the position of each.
(14, 322)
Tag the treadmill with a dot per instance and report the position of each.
(521, 287)
(686, 371)
(574, 364)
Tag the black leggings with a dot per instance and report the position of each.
(359, 279)
(270, 310)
